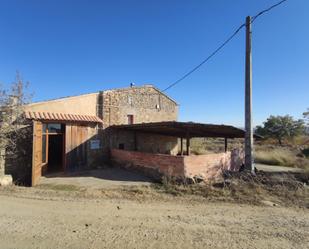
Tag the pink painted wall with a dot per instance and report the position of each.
(164, 164)
(205, 166)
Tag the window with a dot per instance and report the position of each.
(130, 119)
(44, 128)
(130, 100)
(54, 128)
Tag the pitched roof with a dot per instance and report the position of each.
(115, 89)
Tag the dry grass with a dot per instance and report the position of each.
(282, 156)
(201, 146)
(275, 156)
(294, 154)
(285, 189)
(60, 187)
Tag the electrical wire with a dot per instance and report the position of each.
(207, 59)
(266, 10)
(222, 45)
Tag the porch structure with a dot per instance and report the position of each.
(183, 164)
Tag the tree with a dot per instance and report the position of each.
(11, 115)
(280, 127)
(306, 115)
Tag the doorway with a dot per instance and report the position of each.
(55, 153)
(53, 141)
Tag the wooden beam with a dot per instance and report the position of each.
(181, 146)
(188, 143)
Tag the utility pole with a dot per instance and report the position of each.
(248, 101)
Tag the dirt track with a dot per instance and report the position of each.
(110, 223)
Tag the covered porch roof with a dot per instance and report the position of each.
(185, 129)
(61, 117)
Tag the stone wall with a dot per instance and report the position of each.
(150, 143)
(145, 103)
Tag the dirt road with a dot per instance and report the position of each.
(112, 223)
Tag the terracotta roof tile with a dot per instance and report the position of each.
(62, 117)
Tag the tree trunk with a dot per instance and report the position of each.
(2, 162)
(280, 141)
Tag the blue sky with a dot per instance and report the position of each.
(72, 47)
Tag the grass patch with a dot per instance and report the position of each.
(281, 156)
(60, 187)
(275, 156)
(286, 189)
(202, 146)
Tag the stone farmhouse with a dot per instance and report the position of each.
(134, 127)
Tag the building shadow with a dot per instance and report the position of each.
(81, 161)
(105, 173)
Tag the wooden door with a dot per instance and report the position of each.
(36, 153)
(75, 146)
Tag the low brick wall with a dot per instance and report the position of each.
(203, 166)
(207, 166)
(154, 165)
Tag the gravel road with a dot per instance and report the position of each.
(112, 223)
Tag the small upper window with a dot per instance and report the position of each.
(130, 100)
(52, 128)
(130, 119)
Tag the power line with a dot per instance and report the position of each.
(208, 58)
(266, 10)
(222, 45)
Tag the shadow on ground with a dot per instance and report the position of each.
(98, 178)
